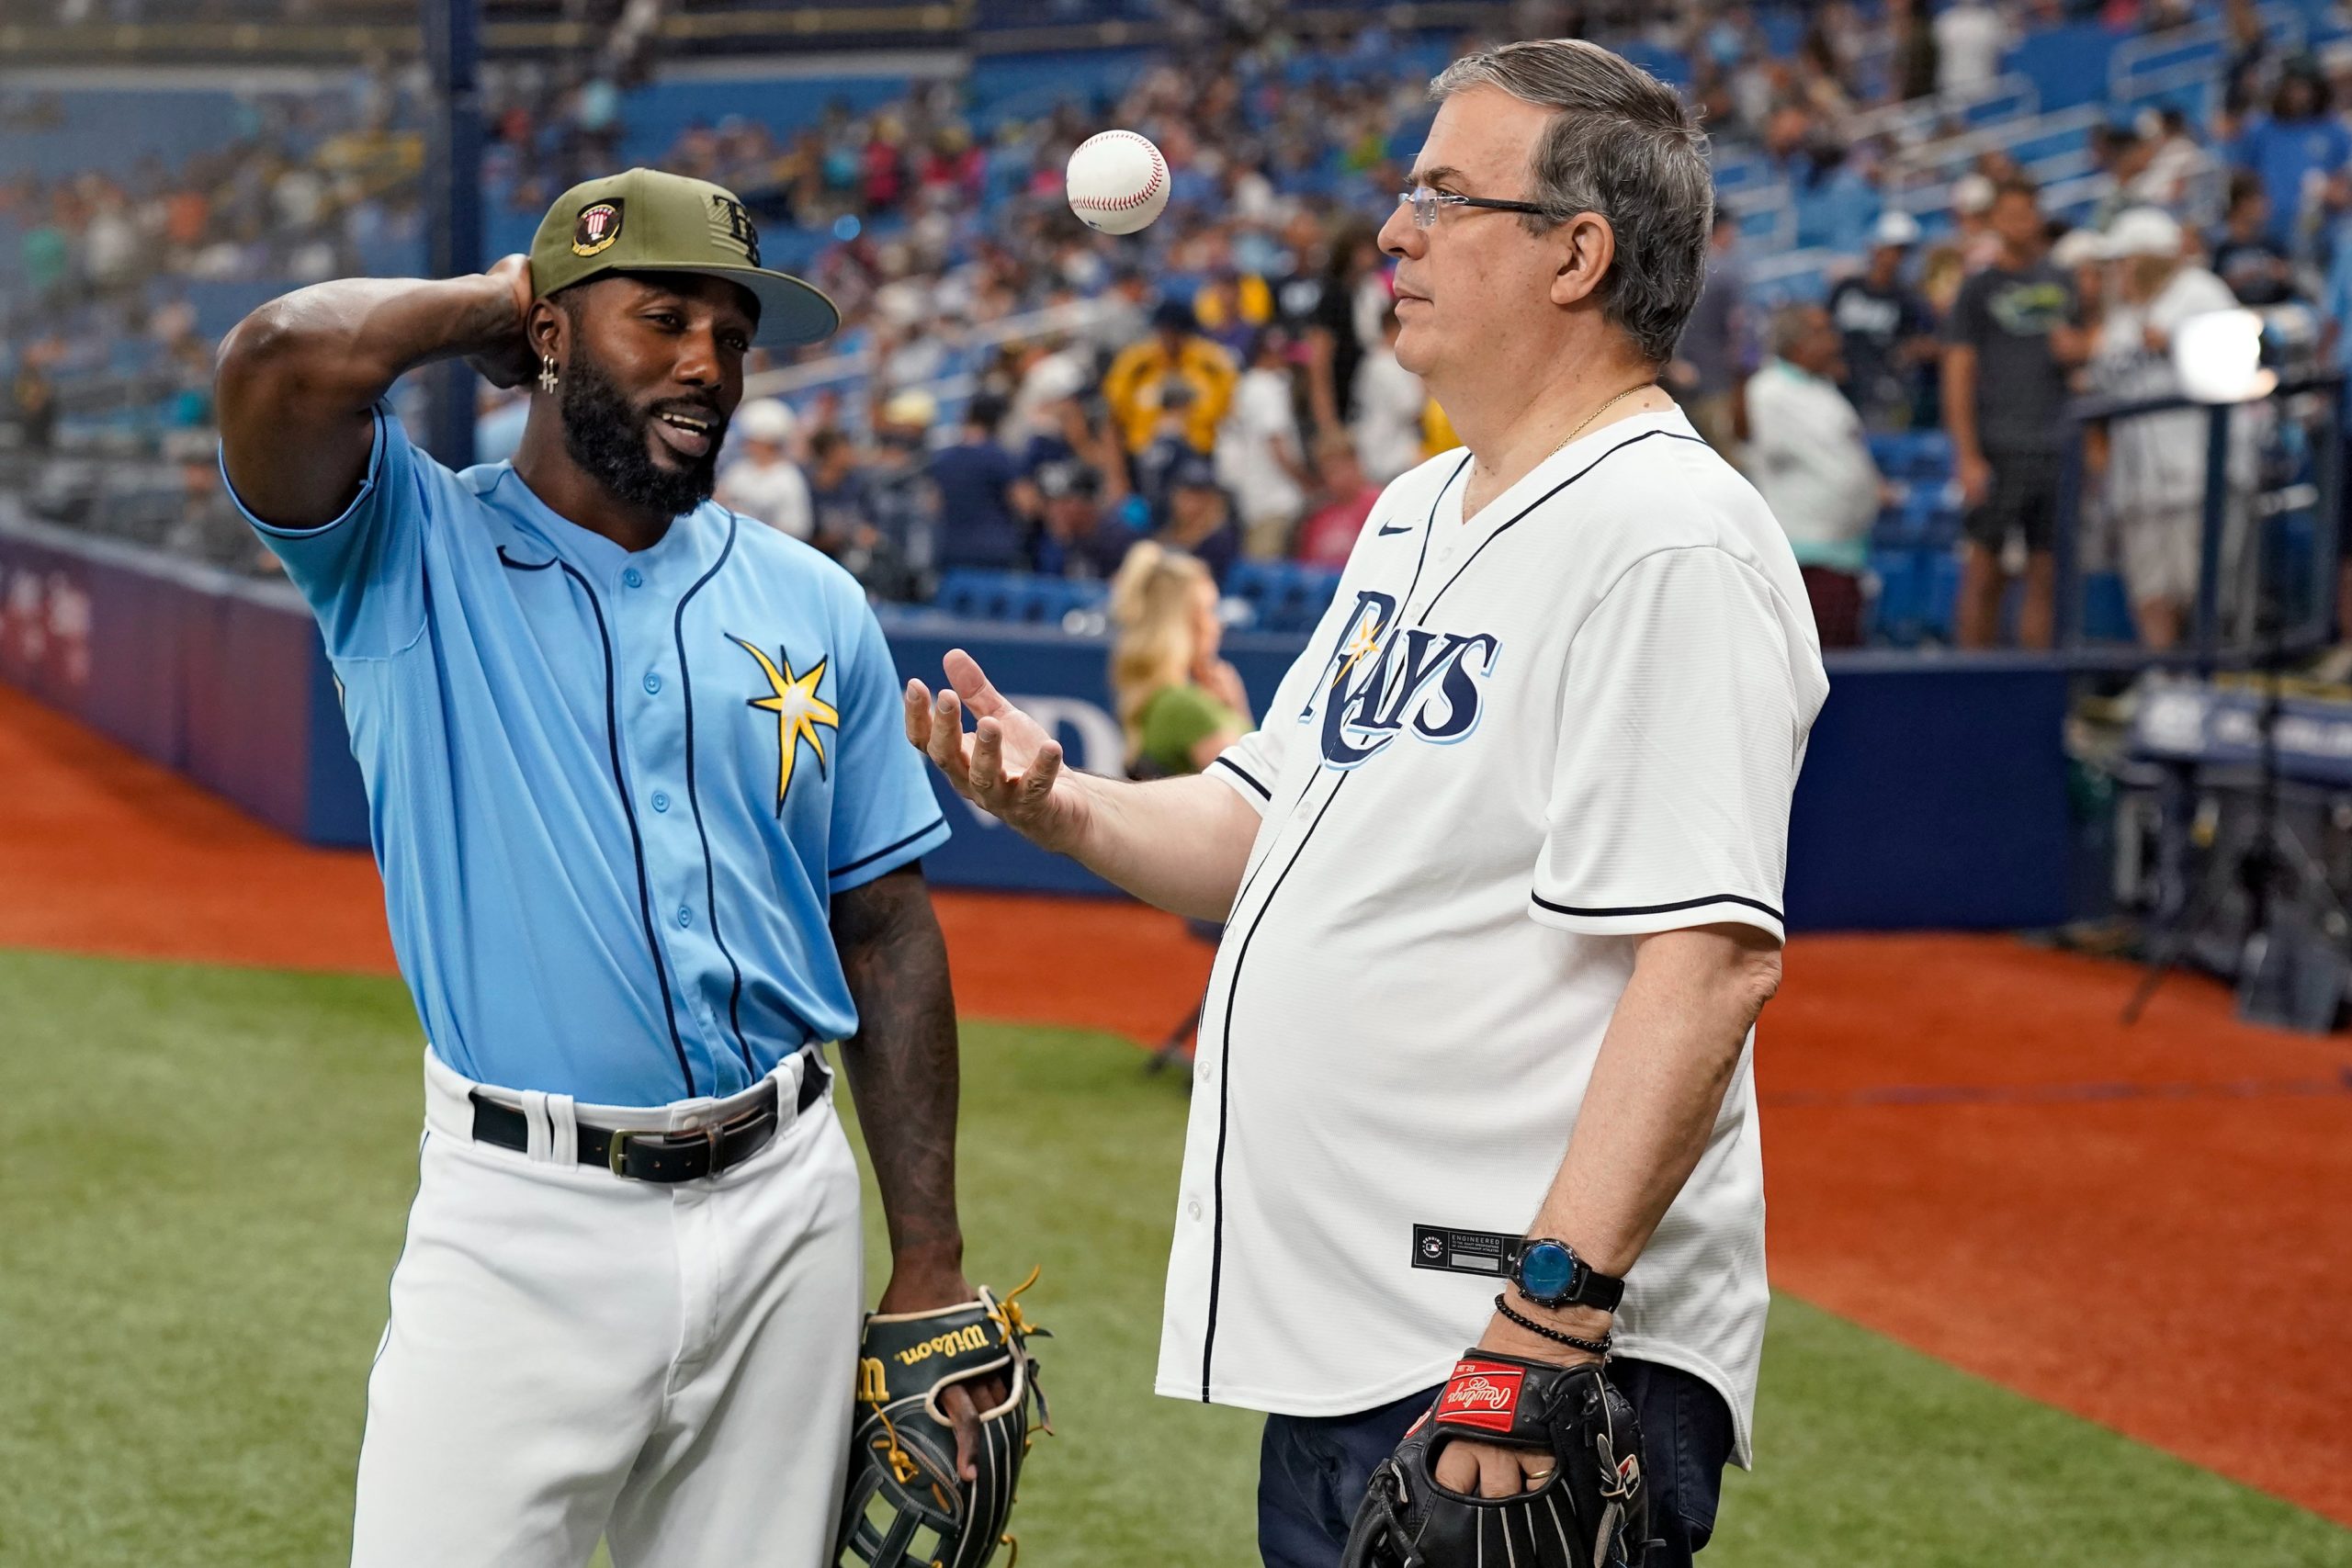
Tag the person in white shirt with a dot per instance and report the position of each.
(1810, 459)
(764, 483)
(1971, 36)
(1390, 401)
(1501, 867)
(2155, 464)
(1258, 457)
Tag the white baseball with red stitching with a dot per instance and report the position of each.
(1117, 182)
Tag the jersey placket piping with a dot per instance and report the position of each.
(1233, 985)
(655, 949)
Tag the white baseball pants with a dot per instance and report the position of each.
(573, 1353)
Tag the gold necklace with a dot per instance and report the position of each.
(1580, 430)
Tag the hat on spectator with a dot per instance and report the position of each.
(645, 221)
(1173, 316)
(2075, 247)
(2143, 231)
(1895, 228)
(913, 407)
(1067, 476)
(766, 420)
(1191, 471)
(1972, 193)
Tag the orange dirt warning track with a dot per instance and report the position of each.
(1966, 1150)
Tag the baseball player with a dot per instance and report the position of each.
(1501, 876)
(648, 839)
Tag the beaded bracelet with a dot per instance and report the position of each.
(1592, 1347)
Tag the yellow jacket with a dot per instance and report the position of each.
(1132, 389)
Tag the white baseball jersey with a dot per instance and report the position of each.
(1515, 744)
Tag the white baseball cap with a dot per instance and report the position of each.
(2076, 247)
(1972, 193)
(2143, 231)
(1895, 227)
(766, 418)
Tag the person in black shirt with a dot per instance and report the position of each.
(1885, 328)
(984, 500)
(2255, 269)
(2009, 345)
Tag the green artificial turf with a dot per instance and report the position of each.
(204, 1174)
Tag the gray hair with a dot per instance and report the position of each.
(1622, 146)
(1791, 324)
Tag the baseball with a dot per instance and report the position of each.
(1117, 182)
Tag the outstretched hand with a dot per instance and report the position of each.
(1008, 764)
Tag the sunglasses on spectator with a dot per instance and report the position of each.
(1426, 204)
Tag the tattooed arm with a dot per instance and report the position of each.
(902, 1070)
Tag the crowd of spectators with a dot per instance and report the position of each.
(1226, 382)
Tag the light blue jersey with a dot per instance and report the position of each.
(611, 794)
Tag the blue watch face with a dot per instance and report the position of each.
(1546, 1269)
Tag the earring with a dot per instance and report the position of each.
(546, 373)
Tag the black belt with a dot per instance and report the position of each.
(660, 1157)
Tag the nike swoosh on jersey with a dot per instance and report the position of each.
(1388, 528)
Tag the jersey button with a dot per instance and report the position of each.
(633, 577)
(685, 916)
(661, 801)
(1192, 1207)
(653, 684)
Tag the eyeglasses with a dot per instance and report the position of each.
(1426, 202)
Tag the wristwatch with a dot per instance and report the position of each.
(1550, 1274)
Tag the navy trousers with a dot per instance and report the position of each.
(1313, 1471)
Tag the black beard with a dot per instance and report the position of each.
(611, 441)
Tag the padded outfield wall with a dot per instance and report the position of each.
(1934, 791)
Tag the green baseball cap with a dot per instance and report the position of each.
(645, 221)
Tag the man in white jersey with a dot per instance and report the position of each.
(1501, 871)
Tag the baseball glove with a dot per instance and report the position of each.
(906, 1506)
(1592, 1512)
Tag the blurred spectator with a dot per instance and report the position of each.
(2008, 346)
(2155, 467)
(1886, 330)
(1341, 312)
(2294, 149)
(2247, 259)
(34, 399)
(984, 500)
(1137, 384)
(1971, 38)
(1347, 496)
(1198, 518)
(1179, 704)
(1258, 455)
(840, 519)
(898, 558)
(2183, 176)
(1811, 463)
(1389, 403)
(207, 525)
(1712, 359)
(1080, 533)
(1914, 66)
(763, 482)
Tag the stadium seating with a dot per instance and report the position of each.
(1019, 597)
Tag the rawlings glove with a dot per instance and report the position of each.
(1591, 1511)
(906, 1507)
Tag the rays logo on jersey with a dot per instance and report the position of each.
(799, 712)
(1375, 687)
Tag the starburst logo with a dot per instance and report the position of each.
(799, 712)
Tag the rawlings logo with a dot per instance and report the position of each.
(975, 1337)
(1481, 1394)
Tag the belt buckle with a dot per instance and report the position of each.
(616, 1149)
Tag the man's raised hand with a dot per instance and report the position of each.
(1008, 765)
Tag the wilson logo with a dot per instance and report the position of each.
(963, 1341)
